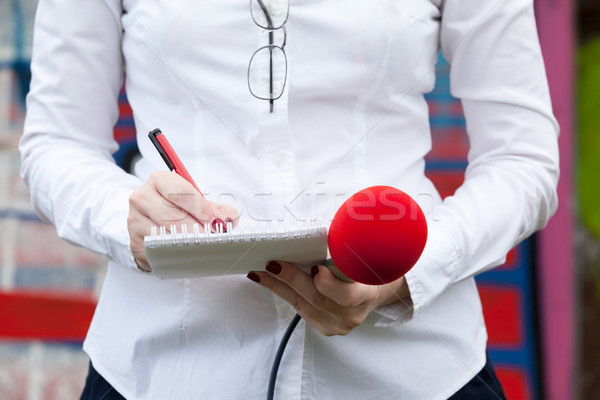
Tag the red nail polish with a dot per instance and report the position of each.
(215, 224)
(273, 267)
(253, 277)
(314, 271)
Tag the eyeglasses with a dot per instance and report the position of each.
(272, 19)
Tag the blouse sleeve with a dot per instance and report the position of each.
(509, 190)
(66, 148)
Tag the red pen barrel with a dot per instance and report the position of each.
(178, 166)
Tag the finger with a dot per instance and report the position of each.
(303, 284)
(226, 213)
(181, 193)
(137, 225)
(137, 244)
(140, 225)
(160, 211)
(155, 207)
(322, 321)
(344, 294)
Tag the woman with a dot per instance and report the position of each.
(344, 110)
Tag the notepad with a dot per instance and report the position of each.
(178, 253)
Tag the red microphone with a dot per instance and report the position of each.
(377, 235)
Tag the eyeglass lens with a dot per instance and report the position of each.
(269, 86)
(263, 86)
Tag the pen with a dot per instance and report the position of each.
(167, 153)
(170, 158)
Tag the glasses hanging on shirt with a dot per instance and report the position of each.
(271, 18)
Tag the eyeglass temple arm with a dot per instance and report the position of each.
(266, 12)
(270, 26)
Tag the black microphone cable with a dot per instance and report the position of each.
(279, 355)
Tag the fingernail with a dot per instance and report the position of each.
(314, 271)
(253, 277)
(228, 219)
(215, 224)
(273, 267)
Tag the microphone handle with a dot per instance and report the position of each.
(336, 271)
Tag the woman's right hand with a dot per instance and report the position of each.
(166, 198)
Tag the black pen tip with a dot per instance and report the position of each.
(154, 133)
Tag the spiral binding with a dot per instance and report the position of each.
(161, 237)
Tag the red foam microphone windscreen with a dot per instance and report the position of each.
(377, 235)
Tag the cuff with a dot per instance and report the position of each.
(434, 272)
(112, 230)
(397, 313)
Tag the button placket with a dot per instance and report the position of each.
(275, 138)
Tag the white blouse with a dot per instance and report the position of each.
(352, 115)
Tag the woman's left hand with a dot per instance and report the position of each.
(329, 305)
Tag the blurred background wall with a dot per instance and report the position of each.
(47, 287)
(588, 194)
(541, 311)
